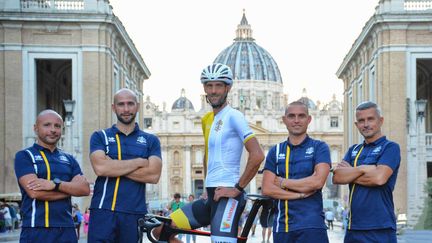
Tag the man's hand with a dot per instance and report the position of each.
(40, 184)
(305, 195)
(225, 192)
(343, 164)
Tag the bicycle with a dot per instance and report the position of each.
(151, 221)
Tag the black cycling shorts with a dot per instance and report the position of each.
(223, 216)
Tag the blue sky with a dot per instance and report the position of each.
(308, 39)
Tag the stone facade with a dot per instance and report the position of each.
(390, 63)
(80, 44)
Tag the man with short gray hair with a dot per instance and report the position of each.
(370, 169)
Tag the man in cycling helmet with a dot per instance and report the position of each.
(226, 132)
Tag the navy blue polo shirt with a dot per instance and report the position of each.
(121, 193)
(300, 160)
(372, 207)
(47, 165)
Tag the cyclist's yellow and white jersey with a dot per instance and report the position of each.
(224, 136)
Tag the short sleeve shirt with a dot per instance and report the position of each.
(373, 207)
(47, 165)
(225, 135)
(121, 193)
(296, 162)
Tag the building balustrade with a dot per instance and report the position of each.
(53, 4)
(417, 5)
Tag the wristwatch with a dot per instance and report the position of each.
(238, 187)
(57, 183)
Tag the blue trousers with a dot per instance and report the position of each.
(371, 236)
(106, 226)
(48, 235)
(301, 236)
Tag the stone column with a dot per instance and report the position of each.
(164, 181)
(187, 182)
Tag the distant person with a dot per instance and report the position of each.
(329, 216)
(7, 217)
(13, 214)
(370, 168)
(345, 218)
(86, 218)
(78, 218)
(266, 220)
(48, 177)
(176, 203)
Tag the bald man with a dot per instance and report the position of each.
(48, 177)
(124, 159)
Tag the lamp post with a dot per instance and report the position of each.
(68, 133)
(68, 144)
(420, 108)
(421, 151)
(69, 106)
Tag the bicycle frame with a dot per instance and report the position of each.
(150, 221)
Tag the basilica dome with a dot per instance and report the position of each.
(182, 103)
(248, 60)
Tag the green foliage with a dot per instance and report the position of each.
(425, 221)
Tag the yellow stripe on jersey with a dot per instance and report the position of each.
(180, 219)
(118, 177)
(352, 190)
(206, 123)
(48, 168)
(287, 158)
(249, 137)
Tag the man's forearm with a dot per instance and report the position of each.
(310, 183)
(374, 176)
(48, 195)
(346, 175)
(274, 191)
(149, 174)
(77, 187)
(113, 168)
(307, 184)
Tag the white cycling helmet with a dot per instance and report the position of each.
(217, 72)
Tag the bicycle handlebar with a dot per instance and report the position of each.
(147, 224)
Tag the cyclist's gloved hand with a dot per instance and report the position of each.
(225, 192)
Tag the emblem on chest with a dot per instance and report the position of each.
(218, 126)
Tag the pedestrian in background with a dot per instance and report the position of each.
(86, 218)
(329, 216)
